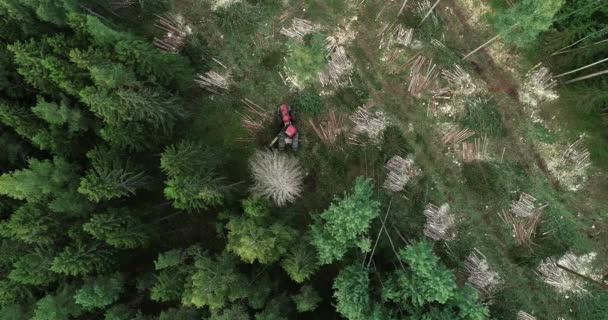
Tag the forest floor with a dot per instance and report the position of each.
(523, 141)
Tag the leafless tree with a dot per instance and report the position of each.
(400, 172)
(121, 4)
(481, 277)
(277, 176)
(439, 222)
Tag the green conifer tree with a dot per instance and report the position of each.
(341, 226)
(192, 183)
(100, 292)
(119, 228)
(83, 259)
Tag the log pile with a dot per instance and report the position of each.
(521, 315)
(439, 222)
(576, 157)
(481, 277)
(422, 73)
(339, 66)
(369, 124)
(299, 29)
(456, 136)
(400, 172)
(475, 151)
(329, 130)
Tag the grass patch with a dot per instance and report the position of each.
(482, 116)
(306, 61)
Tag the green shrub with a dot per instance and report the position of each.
(308, 102)
(155, 6)
(482, 116)
(306, 61)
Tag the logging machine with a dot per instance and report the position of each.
(288, 135)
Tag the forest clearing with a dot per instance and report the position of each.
(313, 159)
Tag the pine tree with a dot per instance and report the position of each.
(341, 226)
(100, 292)
(429, 283)
(20, 119)
(83, 259)
(233, 312)
(119, 228)
(14, 293)
(192, 183)
(119, 312)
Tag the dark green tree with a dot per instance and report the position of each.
(119, 228)
(32, 224)
(34, 268)
(525, 20)
(57, 306)
(341, 227)
(228, 283)
(83, 259)
(352, 292)
(111, 177)
(300, 261)
(307, 299)
(192, 183)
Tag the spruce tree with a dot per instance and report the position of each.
(83, 259)
(100, 292)
(57, 306)
(340, 227)
(192, 183)
(111, 177)
(119, 228)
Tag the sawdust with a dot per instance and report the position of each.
(475, 10)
